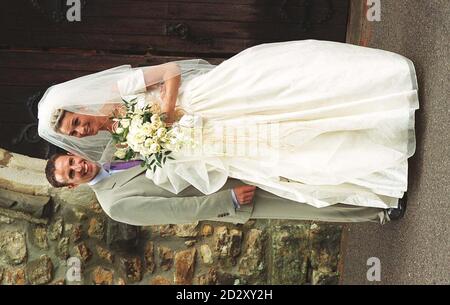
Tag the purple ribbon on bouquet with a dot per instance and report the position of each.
(121, 165)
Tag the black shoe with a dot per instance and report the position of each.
(398, 213)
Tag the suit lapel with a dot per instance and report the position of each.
(120, 178)
(126, 175)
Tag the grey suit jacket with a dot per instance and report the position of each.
(130, 197)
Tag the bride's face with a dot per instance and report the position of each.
(80, 125)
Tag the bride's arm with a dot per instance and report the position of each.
(169, 74)
(114, 109)
(165, 72)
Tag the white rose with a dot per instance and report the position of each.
(138, 138)
(148, 142)
(155, 118)
(120, 153)
(136, 122)
(130, 141)
(119, 130)
(133, 130)
(139, 111)
(139, 147)
(164, 138)
(145, 151)
(125, 123)
(156, 125)
(147, 128)
(160, 132)
(154, 148)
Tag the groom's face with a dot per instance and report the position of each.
(79, 125)
(73, 170)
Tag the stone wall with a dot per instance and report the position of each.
(36, 250)
(259, 252)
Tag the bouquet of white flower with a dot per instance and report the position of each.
(142, 133)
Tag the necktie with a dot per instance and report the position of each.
(121, 165)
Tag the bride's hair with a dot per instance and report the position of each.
(56, 119)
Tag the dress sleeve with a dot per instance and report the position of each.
(132, 85)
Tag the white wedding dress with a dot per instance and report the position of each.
(316, 122)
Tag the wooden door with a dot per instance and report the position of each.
(40, 47)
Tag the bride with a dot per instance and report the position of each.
(313, 121)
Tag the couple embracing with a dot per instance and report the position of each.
(310, 130)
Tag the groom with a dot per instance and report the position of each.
(126, 195)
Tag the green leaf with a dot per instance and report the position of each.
(129, 154)
(133, 101)
(147, 117)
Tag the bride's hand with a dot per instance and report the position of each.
(168, 115)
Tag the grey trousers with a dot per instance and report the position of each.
(268, 206)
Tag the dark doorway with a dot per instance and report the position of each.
(40, 47)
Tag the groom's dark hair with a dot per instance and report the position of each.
(50, 171)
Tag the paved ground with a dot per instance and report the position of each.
(415, 250)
